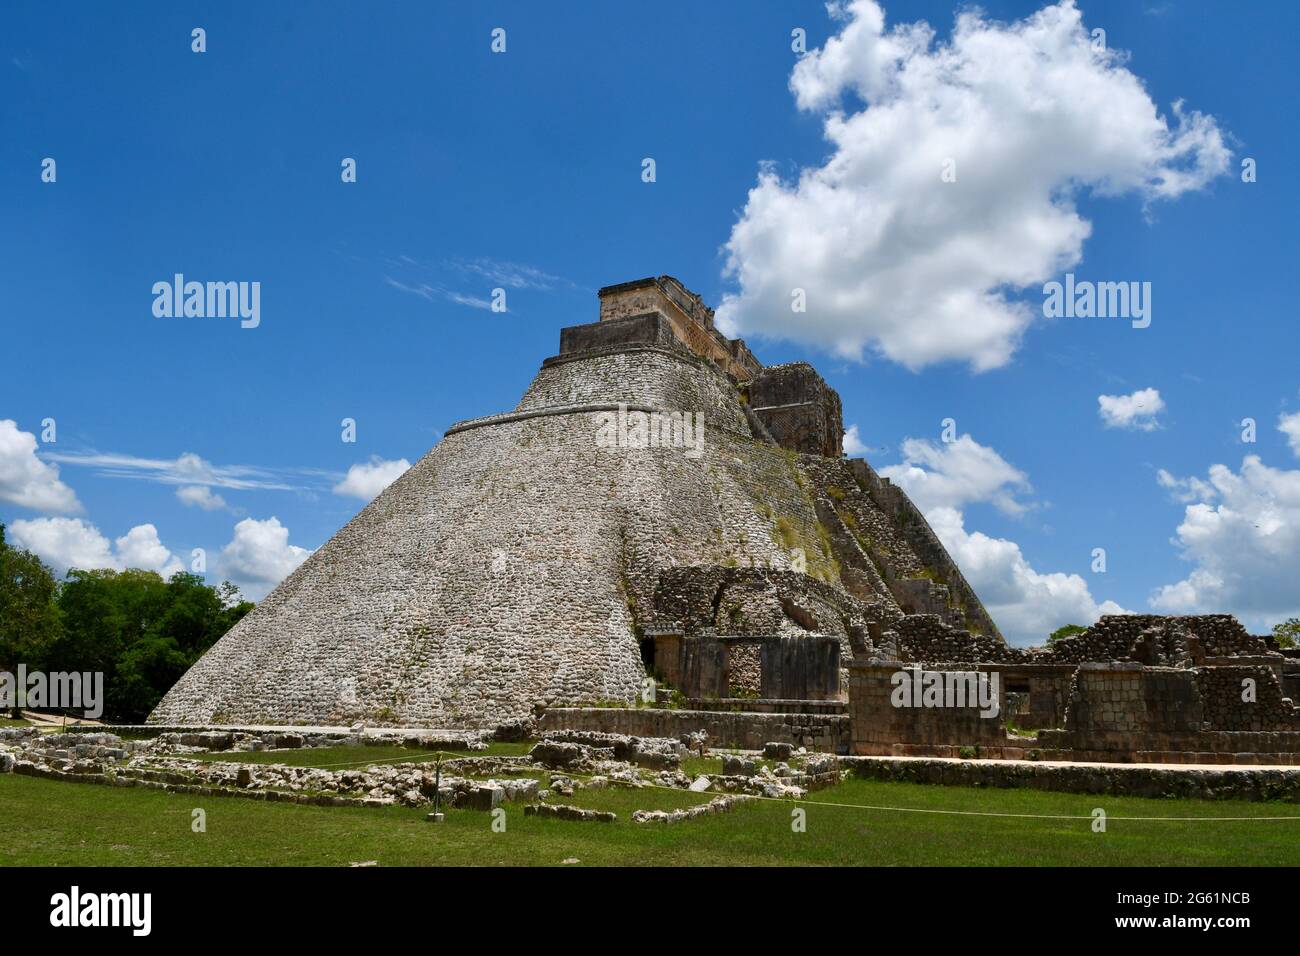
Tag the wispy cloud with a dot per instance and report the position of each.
(445, 280)
(190, 470)
(512, 275)
(432, 292)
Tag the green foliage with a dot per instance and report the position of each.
(1069, 630)
(140, 631)
(1287, 634)
(785, 533)
(29, 614)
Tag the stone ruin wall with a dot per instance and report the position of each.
(881, 728)
(798, 409)
(699, 600)
(742, 730)
(1116, 637)
(691, 320)
(1118, 708)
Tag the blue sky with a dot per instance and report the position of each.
(522, 170)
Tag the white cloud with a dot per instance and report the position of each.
(366, 480)
(1136, 412)
(431, 292)
(853, 444)
(957, 473)
(1183, 489)
(513, 275)
(65, 543)
(1026, 604)
(27, 481)
(1289, 425)
(1241, 531)
(892, 258)
(140, 548)
(201, 496)
(189, 469)
(259, 556)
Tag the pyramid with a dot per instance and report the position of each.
(654, 479)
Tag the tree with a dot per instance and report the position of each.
(140, 631)
(1069, 630)
(29, 615)
(1287, 634)
(144, 673)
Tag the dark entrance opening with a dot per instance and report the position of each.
(648, 652)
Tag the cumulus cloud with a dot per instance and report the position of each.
(894, 259)
(1026, 604)
(368, 479)
(853, 444)
(201, 496)
(140, 548)
(27, 481)
(259, 556)
(1241, 532)
(66, 543)
(1136, 412)
(1289, 425)
(1184, 489)
(956, 473)
(943, 477)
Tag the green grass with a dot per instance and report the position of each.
(50, 822)
(344, 757)
(694, 766)
(13, 722)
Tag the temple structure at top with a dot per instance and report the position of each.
(685, 312)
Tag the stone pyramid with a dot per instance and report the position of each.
(531, 557)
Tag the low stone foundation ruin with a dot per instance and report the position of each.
(742, 730)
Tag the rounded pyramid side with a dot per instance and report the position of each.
(506, 567)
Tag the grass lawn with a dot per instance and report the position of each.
(342, 758)
(48, 822)
(13, 722)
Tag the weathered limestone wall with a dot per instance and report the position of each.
(690, 318)
(1114, 637)
(799, 409)
(1221, 689)
(1127, 698)
(742, 730)
(802, 668)
(649, 329)
(879, 726)
(926, 637)
(776, 668)
(760, 602)
(1226, 784)
(1113, 711)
